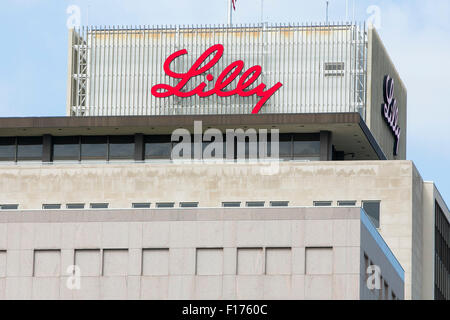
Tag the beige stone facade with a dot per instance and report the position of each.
(395, 183)
(263, 253)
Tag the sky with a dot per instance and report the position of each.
(416, 33)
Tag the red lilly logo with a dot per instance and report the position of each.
(228, 75)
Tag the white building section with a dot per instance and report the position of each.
(322, 68)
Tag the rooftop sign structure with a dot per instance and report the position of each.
(322, 69)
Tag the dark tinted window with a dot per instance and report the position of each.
(442, 254)
(7, 149)
(188, 204)
(51, 206)
(254, 152)
(75, 206)
(279, 203)
(93, 148)
(285, 147)
(9, 206)
(346, 203)
(372, 208)
(322, 203)
(99, 206)
(306, 148)
(29, 148)
(141, 205)
(221, 145)
(158, 147)
(121, 147)
(255, 204)
(66, 148)
(231, 204)
(165, 205)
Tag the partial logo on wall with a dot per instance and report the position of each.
(221, 87)
(389, 110)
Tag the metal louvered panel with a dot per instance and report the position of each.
(323, 68)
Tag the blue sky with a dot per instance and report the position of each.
(416, 33)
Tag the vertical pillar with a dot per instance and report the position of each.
(47, 148)
(326, 151)
(139, 152)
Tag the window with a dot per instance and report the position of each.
(279, 203)
(334, 69)
(234, 204)
(52, 206)
(165, 204)
(141, 205)
(346, 203)
(308, 150)
(29, 148)
(188, 204)
(158, 147)
(252, 204)
(94, 148)
(7, 149)
(372, 208)
(9, 206)
(75, 206)
(285, 147)
(121, 147)
(66, 148)
(99, 205)
(442, 254)
(305, 146)
(211, 153)
(323, 203)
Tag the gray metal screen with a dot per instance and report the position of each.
(323, 68)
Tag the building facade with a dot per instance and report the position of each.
(311, 197)
(192, 253)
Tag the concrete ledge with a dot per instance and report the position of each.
(185, 214)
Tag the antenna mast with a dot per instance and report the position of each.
(346, 10)
(230, 13)
(328, 2)
(262, 11)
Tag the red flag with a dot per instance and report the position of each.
(234, 4)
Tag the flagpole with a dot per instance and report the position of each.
(230, 13)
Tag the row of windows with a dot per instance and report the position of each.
(147, 205)
(372, 208)
(442, 255)
(78, 148)
(20, 148)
